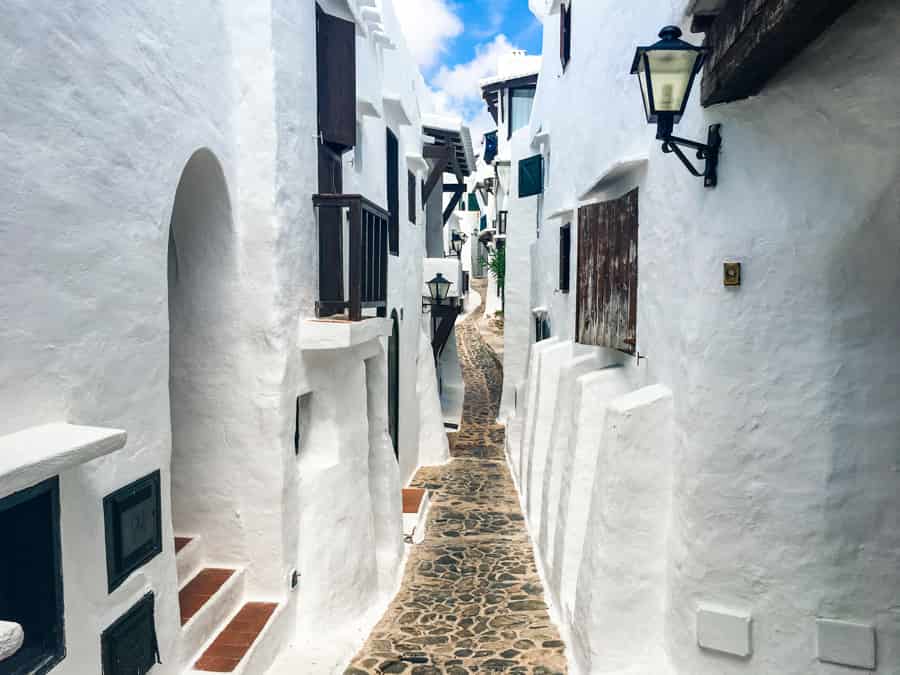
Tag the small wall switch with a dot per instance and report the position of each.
(733, 274)
(724, 630)
(845, 643)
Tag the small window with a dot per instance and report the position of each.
(393, 192)
(411, 196)
(541, 328)
(133, 524)
(473, 202)
(31, 582)
(565, 34)
(521, 101)
(502, 221)
(531, 176)
(301, 422)
(129, 646)
(565, 257)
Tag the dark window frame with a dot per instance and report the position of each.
(336, 85)
(565, 257)
(118, 569)
(53, 654)
(143, 610)
(565, 34)
(392, 176)
(411, 196)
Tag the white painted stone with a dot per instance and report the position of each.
(433, 446)
(846, 643)
(335, 334)
(618, 620)
(12, 637)
(33, 455)
(724, 630)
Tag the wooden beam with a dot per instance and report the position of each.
(751, 40)
(435, 151)
(437, 171)
(457, 195)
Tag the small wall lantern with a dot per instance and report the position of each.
(666, 71)
(456, 244)
(438, 289)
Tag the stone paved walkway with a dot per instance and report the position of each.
(471, 600)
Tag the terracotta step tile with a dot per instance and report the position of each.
(412, 499)
(180, 543)
(235, 640)
(199, 590)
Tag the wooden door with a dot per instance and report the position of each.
(336, 80)
(331, 235)
(608, 274)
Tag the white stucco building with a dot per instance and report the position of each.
(710, 470)
(213, 389)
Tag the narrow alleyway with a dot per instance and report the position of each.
(471, 600)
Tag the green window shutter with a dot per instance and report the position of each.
(473, 202)
(531, 176)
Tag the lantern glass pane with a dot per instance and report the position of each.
(670, 75)
(642, 76)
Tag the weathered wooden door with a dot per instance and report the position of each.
(608, 274)
(394, 384)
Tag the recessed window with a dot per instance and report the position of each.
(31, 583)
(521, 101)
(133, 523)
(411, 196)
(565, 257)
(565, 34)
(302, 417)
(393, 192)
(129, 646)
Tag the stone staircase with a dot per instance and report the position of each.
(222, 630)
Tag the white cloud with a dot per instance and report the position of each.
(457, 88)
(428, 26)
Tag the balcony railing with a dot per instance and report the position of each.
(353, 256)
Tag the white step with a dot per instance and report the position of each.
(189, 560)
(206, 624)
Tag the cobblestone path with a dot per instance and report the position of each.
(471, 600)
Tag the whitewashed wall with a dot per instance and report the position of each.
(102, 109)
(782, 452)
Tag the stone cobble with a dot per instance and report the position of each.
(471, 600)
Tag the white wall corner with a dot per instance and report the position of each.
(724, 630)
(846, 643)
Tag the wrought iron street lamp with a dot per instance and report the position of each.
(439, 288)
(456, 244)
(666, 71)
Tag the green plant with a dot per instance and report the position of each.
(497, 265)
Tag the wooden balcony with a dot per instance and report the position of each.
(353, 257)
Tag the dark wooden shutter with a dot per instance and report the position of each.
(336, 79)
(565, 34)
(411, 196)
(331, 235)
(565, 256)
(473, 202)
(531, 176)
(606, 314)
(393, 192)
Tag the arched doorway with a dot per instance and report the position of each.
(394, 383)
(202, 338)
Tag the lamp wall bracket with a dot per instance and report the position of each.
(708, 152)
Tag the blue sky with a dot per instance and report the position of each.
(485, 20)
(457, 43)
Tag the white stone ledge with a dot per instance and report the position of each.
(36, 454)
(318, 334)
